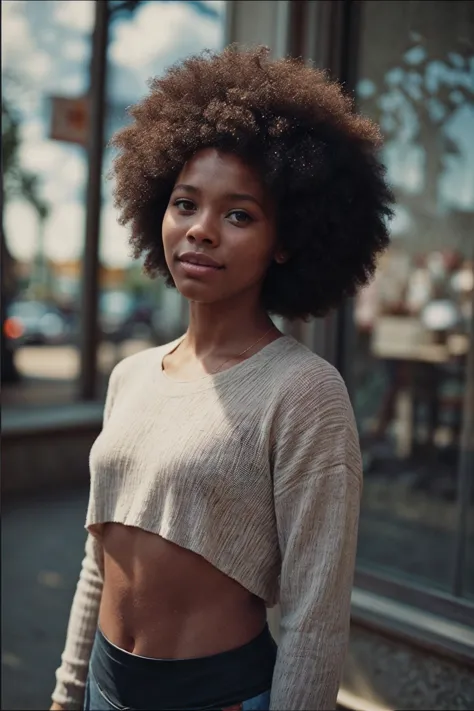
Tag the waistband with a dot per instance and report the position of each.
(215, 681)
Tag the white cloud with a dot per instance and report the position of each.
(66, 183)
(71, 84)
(73, 170)
(61, 168)
(114, 246)
(75, 14)
(17, 40)
(38, 65)
(32, 131)
(64, 232)
(21, 228)
(41, 156)
(21, 56)
(76, 50)
(159, 32)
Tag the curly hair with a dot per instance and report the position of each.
(315, 155)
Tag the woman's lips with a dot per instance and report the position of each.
(198, 269)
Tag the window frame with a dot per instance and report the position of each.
(330, 37)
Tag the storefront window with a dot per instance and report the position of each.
(413, 323)
(45, 68)
(136, 312)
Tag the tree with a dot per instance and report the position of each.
(414, 101)
(15, 182)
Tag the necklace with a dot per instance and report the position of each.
(213, 372)
(243, 352)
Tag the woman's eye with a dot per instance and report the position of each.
(184, 205)
(239, 217)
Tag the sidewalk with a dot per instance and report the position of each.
(42, 548)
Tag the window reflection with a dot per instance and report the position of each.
(413, 321)
(45, 54)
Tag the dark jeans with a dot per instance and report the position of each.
(238, 680)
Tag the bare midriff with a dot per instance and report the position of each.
(164, 601)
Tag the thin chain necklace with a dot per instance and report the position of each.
(213, 372)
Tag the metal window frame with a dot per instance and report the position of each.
(330, 37)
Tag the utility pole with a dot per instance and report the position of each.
(90, 271)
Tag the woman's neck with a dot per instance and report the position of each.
(229, 330)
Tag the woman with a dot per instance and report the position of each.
(227, 476)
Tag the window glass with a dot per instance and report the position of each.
(136, 312)
(45, 64)
(413, 333)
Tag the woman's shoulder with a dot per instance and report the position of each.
(314, 412)
(302, 374)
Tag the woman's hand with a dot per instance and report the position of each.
(56, 707)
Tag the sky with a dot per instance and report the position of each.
(46, 45)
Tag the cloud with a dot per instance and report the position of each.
(21, 229)
(21, 56)
(38, 65)
(62, 169)
(32, 131)
(41, 156)
(159, 34)
(64, 232)
(66, 183)
(17, 40)
(75, 14)
(72, 84)
(114, 246)
(77, 50)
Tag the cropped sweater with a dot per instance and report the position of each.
(257, 469)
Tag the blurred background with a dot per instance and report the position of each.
(74, 303)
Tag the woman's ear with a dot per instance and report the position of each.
(281, 256)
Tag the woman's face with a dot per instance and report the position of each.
(219, 231)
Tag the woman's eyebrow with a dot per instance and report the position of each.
(187, 188)
(227, 196)
(243, 196)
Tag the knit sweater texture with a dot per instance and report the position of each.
(257, 469)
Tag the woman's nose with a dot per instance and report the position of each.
(203, 233)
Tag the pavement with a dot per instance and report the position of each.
(42, 548)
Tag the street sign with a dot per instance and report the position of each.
(70, 119)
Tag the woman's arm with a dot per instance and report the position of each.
(317, 488)
(72, 674)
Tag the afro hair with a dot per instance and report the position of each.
(315, 155)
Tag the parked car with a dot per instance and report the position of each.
(35, 323)
(121, 316)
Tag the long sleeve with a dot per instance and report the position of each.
(72, 674)
(317, 488)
